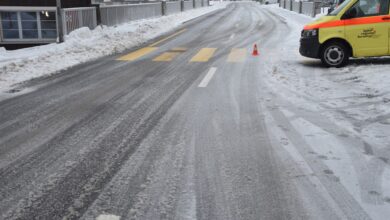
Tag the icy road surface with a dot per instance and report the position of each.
(191, 126)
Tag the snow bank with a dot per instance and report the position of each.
(84, 45)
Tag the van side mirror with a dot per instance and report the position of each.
(351, 13)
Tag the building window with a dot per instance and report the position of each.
(29, 25)
(48, 24)
(10, 25)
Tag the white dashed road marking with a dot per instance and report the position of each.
(208, 77)
(108, 217)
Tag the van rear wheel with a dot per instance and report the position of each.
(335, 54)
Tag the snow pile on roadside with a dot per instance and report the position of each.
(84, 45)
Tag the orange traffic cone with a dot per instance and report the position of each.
(255, 51)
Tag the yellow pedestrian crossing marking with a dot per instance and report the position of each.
(165, 57)
(179, 49)
(237, 55)
(137, 54)
(204, 55)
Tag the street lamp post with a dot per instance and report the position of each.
(60, 22)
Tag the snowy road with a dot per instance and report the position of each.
(190, 126)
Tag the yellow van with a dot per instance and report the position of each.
(356, 28)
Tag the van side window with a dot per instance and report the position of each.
(366, 8)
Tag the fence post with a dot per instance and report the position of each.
(300, 7)
(313, 14)
(64, 22)
(164, 7)
(98, 14)
(181, 5)
(94, 15)
(60, 22)
(193, 4)
(291, 5)
(317, 8)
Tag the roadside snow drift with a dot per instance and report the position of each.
(84, 45)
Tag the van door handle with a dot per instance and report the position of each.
(386, 18)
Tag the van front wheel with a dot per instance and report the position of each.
(334, 54)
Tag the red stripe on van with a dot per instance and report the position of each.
(354, 21)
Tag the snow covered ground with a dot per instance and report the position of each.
(342, 114)
(333, 123)
(84, 45)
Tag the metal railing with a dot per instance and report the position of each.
(74, 18)
(282, 3)
(297, 6)
(198, 3)
(311, 8)
(188, 5)
(114, 15)
(302, 7)
(173, 7)
(289, 5)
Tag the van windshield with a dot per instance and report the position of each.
(339, 8)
